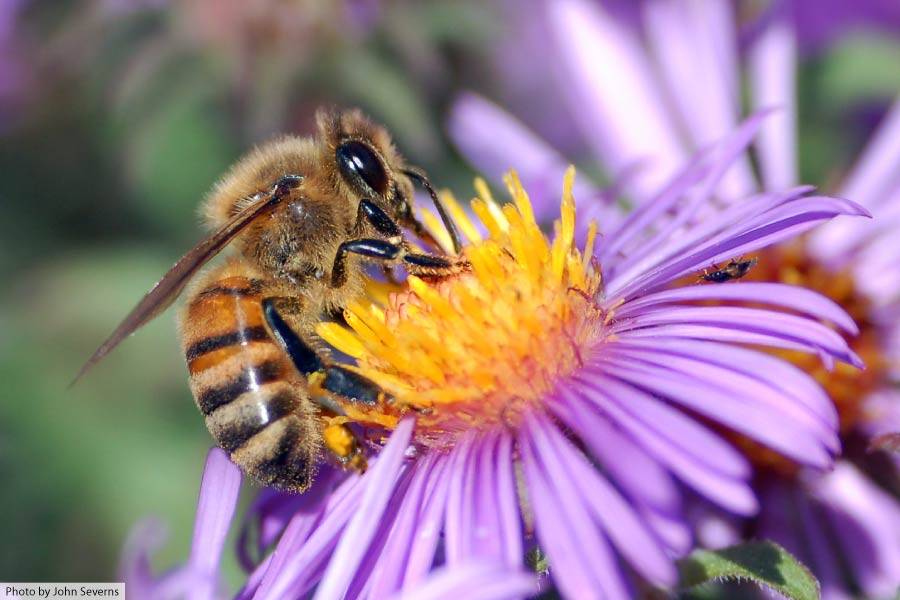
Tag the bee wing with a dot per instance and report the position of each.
(167, 289)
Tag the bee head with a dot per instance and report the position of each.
(367, 163)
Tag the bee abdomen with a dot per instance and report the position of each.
(253, 399)
(268, 434)
(235, 423)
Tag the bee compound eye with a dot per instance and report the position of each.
(357, 160)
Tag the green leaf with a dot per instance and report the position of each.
(765, 563)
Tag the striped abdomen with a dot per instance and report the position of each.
(253, 399)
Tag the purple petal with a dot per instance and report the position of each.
(379, 484)
(362, 580)
(820, 555)
(459, 512)
(707, 167)
(630, 231)
(781, 223)
(626, 462)
(799, 330)
(144, 540)
(428, 525)
(875, 173)
(617, 518)
(728, 492)
(728, 407)
(882, 412)
(799, 525)
(714, 528)
(873, 183)
(867, 520)
(712, 332)
(630, 126)
(668, 423)
(788, 379)
(749, 386)
(387, 576)
(219, 492)
(251, 585)
(695, 43)
(649, 487)
(876, 265)
(792, 297)
(495, 142)
(299, 556)
(272, 510)
(772, 65)
(673, 531)
(508, 504)
(776, 520)
(663, 244)
(477, 527)
(583, 565)
(475, 581)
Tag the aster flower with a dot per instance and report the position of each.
(849, 517)
(556, 394)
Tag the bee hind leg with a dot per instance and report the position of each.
(334, 379)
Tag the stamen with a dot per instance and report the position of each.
(480, 349)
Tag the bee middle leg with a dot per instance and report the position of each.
(332, 378)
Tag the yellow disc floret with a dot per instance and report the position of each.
(479, 349)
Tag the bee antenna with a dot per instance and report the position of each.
(418, 175)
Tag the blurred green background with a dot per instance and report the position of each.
(115, 117)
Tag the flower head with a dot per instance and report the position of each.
(554, 395)
(557, 397)
(843, 517)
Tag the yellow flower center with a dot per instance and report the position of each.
(846, 385)
(478, 350)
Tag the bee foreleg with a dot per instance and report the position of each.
(433, 265)
(369, 212)
(418, 175)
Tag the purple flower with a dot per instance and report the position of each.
(844, 517)
(557, 398)
(552, 399)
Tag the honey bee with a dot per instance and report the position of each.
(735, 269)
(306, 216)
